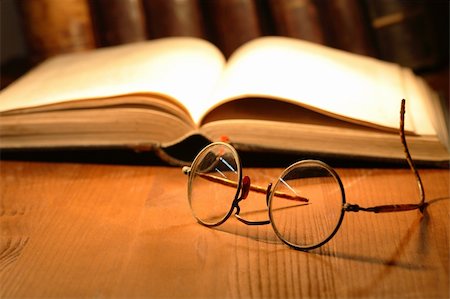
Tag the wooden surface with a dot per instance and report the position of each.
(104, 231)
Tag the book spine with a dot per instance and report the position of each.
(298, 19)
(347, 27)
(118, 21)
(232, 23)
(405, 32)
(173, 18)
(52, 26)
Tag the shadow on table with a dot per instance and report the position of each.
(266, 234)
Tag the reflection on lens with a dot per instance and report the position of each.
(211, 201)
(307, 225)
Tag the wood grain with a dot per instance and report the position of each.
(84, 230)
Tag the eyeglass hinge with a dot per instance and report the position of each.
(186, 170)
(348, 207)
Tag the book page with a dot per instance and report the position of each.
(328, 80)
(418, 110)
(318, 141)
(266, 110)
(120, 126)
(183, 69)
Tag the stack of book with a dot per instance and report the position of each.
(411, 33)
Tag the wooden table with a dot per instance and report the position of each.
(114, 231)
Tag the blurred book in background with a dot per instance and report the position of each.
(346, 25)
(411, 33)
(53, 27)
(174, 18)
(297, 18)
(231, 23)
(118, 21)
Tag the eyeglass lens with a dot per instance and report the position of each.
(306, 225)
(210, 202)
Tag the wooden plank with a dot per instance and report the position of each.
(83, 230)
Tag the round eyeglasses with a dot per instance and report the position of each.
(306, 205)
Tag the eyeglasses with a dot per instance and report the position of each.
(306, 205)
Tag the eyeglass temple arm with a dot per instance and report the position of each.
(255, 188)
(383, 209)
(408, 155)
(398, 207)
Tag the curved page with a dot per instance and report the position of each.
(184, 69)
(357, 88)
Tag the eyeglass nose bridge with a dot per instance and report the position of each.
(246, 182)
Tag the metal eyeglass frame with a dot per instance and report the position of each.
(243, 186)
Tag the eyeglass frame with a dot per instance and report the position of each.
(243, 187)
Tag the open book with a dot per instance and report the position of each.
(273, 94)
